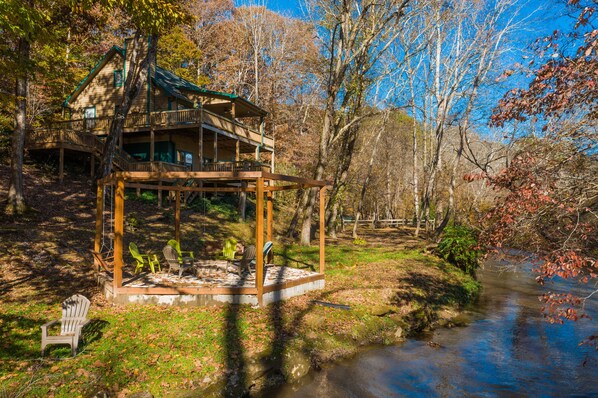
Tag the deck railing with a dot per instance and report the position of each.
(164, 119)
(236, 166)
(156, 166)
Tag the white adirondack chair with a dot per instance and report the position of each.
(74, 317)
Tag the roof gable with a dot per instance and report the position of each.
(94, 71)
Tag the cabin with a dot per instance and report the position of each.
(174, 125)
(185, 140)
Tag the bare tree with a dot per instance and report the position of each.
(353, 34)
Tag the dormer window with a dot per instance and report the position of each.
(118, 78)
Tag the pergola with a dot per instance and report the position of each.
(263, 183)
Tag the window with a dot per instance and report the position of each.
(89, 115)
(184, 157)
(118, 78)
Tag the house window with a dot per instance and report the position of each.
(89, 114)
(184, 157)
(118, 78)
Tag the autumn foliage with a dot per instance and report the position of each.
(548, 194)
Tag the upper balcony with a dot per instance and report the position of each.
(171, 120)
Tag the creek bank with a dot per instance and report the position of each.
(316, 345)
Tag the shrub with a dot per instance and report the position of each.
(359, 242)
(459, 246)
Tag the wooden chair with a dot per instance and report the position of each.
(183, 256)
(151, 260)
(172, 259)
(74, 317)
(248, 257)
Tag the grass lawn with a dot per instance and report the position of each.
(159, 349)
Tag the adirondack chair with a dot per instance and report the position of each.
(183, 256)
(229, 249)
(74, 317)
(267, 249)
(171, 257)
(151, 260)
(248, 257)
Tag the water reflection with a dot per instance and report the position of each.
(506, 350)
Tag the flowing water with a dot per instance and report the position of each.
(505, 350)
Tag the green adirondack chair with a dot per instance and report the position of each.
(229, 249)
(183, 256)
(151, 260)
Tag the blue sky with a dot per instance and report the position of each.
(290, 7)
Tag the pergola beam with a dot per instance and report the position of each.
(177, 188)
(213, 175)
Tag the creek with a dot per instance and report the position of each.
(505, 348)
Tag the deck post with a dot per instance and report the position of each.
(272, 162)
(61, 165)
(92, 164)
(119, 212)
(200, 149)
(97, 242)
(177, 216)
(152, 143)
(215, 147)
(160, 194)
(270, 220)
(237, 151)
(322, 229)
(259, 240)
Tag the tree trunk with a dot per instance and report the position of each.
(16, 197)
(340, 177)
(136, 76)
(318, 174)
(366, 181)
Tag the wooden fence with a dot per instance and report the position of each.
(385, 223)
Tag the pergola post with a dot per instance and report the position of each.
(322, 229)
(119, 212)
(259, 240)
(97, 241)
(177, 216)
(270, 221)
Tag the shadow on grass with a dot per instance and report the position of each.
(431, 292)
(17, 334)
(235, 372)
